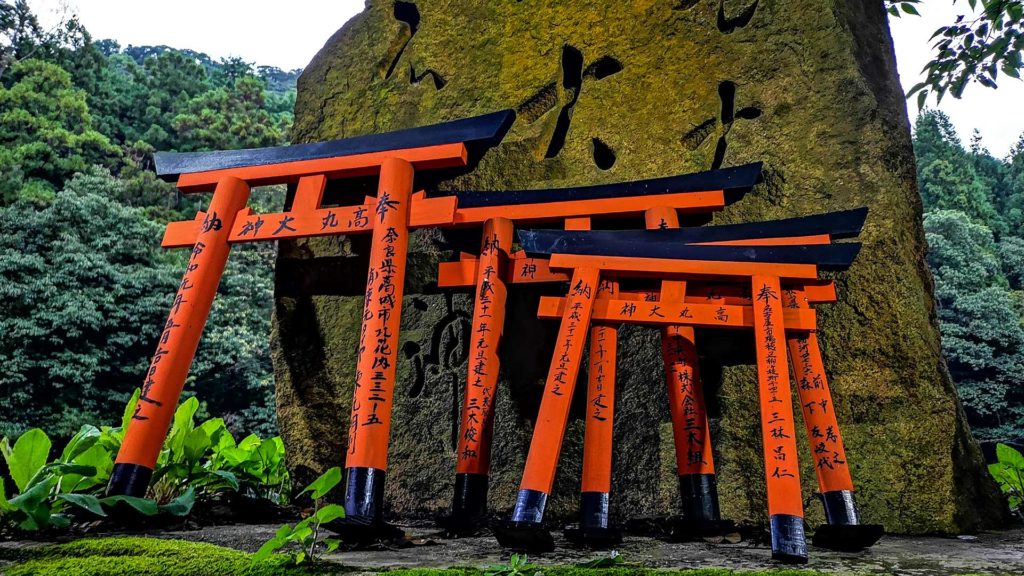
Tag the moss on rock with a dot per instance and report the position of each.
(652, 88)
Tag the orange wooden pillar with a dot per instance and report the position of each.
(553, 416)
(469, 505)
(698, 489)
(596, 484)
(370, 424)
(782, 474)
(177, 344)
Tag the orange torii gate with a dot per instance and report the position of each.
(495, 268)
(395, 158)
(765, 264)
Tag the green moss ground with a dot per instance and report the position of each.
(158, 557)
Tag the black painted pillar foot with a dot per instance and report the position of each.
(129, 480)
(469, 506)
(364, 508)
(594, 530)
(844, 532)
(700, 518)
(789, 543)
(525, 530)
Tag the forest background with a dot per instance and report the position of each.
(84, 285)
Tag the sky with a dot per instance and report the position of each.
(288, 34)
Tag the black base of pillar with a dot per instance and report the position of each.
(593, 537)
(523, 536)
(840, 507)
(789, 543)
(593, 530)
(684, 530)
(362, 530)
(699, 498)
(129, 480)
(364, 508)
(525, 531)
(530, 506)
(847, 538)
(469, 506)
(593, 510)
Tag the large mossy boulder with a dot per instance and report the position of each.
(612, 91)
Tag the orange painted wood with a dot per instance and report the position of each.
(521, 270)
(177, 344)
(625, 206)
(627, 266)
(620, 311)
(784, 241)
(377, 356)
(600, 411)
(425, 158)
(690, 428)
(778, 432)
(577, 223)
(661, 218)
(474, 450)
(252, 227)
(309, 193)
(553, 416)
(182, 234)
(823, 435)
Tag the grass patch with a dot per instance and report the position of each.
(142, 556)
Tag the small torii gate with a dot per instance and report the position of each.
(765, 263)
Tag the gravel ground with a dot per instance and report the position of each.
(999, 553)
(989, 553)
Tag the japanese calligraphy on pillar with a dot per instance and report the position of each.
(369, 426)
(777, 425)
(820, 418)
(488, 321)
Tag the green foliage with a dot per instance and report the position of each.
(196, 461)
(46, 133)
(976, 254)
(138, 556)
(89, 287)
(1008, 471)
(86, 290)
(976, 47)
(305, 535)
(518, 565)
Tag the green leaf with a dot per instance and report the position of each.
(182, 505)
(332, 544)
(329, 513)
(1009, 456)
(227, 477)
(322, 485)
(196, 443)
(143, 506)
(86, 501)
(909, 9)
(129, 409)
(268, 548)
(5, 506)
(85, 439)
(183, 423)
(28, 456)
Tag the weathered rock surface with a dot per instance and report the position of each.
(651, 88)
